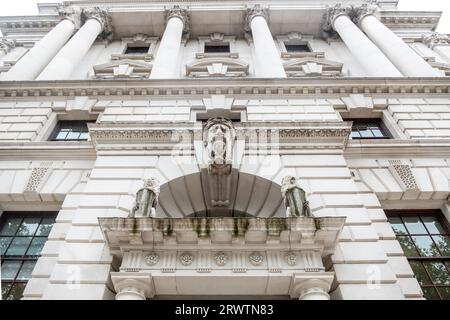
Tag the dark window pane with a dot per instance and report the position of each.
(426, 246)
(444, 292)
(70, 130)
(36, 246)
(136, 50)
(16, 292)
(407, 246)
(10, 226)
(4, 243)
(28, 226)
(10, 269)
(430, 293)
(5, 289)
(397, 225)
(45, 227)
(18, 246)
(26, 270)
(297, 48)
(420, 273)
(414, 225)
(222, 48)
(432, 224)
(437, 272)
(443, 243)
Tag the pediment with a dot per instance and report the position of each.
(126, 68)
(310, 66)
(217, 67)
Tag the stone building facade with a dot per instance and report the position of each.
(263, 149)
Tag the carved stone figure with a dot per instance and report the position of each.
(218, 138)
(294, 198)
(146, 199)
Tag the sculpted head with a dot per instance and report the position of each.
(152, 183)
(288, 183)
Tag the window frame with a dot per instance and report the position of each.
(132, 45)
(444, 259)
(379, 121)
(24, 258)
(305, 44)
(219, 44)
(57, 129)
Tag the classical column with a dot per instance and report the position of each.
(268, 60)
(62, 65)
(166, 65)
(399, 53)
(35, 60)
(363, 50)
(439, 43)
(312, 286)
(138, 286)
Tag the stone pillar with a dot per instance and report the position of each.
(35, 60)
(138, 286)
(62, 65)
(312, 286)
(439, 43)
(268, 59)
(166, 65)
(399, 53)
(363, 50)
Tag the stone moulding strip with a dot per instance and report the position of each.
(310, 87)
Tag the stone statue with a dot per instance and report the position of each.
(294, 198)
(146, 199)
(218, 138)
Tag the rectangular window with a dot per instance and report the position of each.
(217, 48)
(71, 131)
(22, 237)
(297, 47)
(137, 50)
(368, 129)
(425, 239)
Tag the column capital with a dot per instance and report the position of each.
(255, 11)
(102, 16)
(181, 13)
(6, 45)
(311, 286)
(436, 39)
(360, 12)
(331, 14)
(139, 285)
(72, 14)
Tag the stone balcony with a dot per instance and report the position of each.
(274, 256)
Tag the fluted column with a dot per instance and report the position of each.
(268, 60)
(363, 50)
(399, 53)
(35, 60)
(137, 286)
(63, 64)
(312, 286)
(166, 65)
(439, 43)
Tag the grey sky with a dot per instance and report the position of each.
(27, 7)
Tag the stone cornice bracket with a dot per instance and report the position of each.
(102, 16)
(255, 11)
(6, 45)
(330, 16)
(71, 13)
(182, 13)
(436, 39)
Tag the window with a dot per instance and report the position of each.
(22, 237)
(369, 129)
(137, 50)
(71, 131)
(297, 47)
(217, 48)
(425, 239)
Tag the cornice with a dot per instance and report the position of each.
(249, 87)
(407, 148)
(47, 149)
